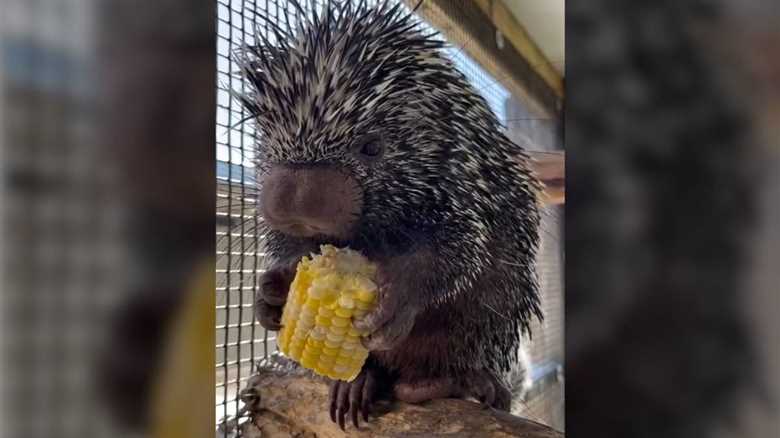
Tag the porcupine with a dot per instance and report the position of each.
(371, 138)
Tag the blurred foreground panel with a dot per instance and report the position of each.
(672, 219)
(107, 209)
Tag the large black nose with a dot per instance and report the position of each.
(310, 200)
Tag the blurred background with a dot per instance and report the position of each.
(671, 129)
(108, 215)
(109, 191)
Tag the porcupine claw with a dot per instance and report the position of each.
(353, 398)
(485, 387)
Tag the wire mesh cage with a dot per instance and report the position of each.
(241, 341)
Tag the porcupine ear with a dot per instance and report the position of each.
(550, 168)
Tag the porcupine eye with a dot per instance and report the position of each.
(370, 148)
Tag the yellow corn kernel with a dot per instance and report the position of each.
(330, 290)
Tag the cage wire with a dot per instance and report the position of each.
(241, 341)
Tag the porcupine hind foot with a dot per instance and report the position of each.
(487, 389)
(427, 389)
(355, 397)
(481, 385)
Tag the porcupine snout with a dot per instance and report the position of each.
(310, 200)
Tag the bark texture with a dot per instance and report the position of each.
(293, 404)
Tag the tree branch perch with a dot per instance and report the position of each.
(295, 404)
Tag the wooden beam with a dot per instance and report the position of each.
(550, 168)
(515, 32)
(465, 24)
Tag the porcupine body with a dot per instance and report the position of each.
(448, 180)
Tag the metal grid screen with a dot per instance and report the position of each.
(240, 340)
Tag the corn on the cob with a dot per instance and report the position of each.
(329, 290)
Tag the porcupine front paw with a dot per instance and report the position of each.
(353, 398)
(272, 294)
(391, 322)
(486, 388)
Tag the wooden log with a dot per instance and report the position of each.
(295, 404)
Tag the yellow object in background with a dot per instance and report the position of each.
(329, 290)
(183, 397)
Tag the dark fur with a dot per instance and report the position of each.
(450, 211)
